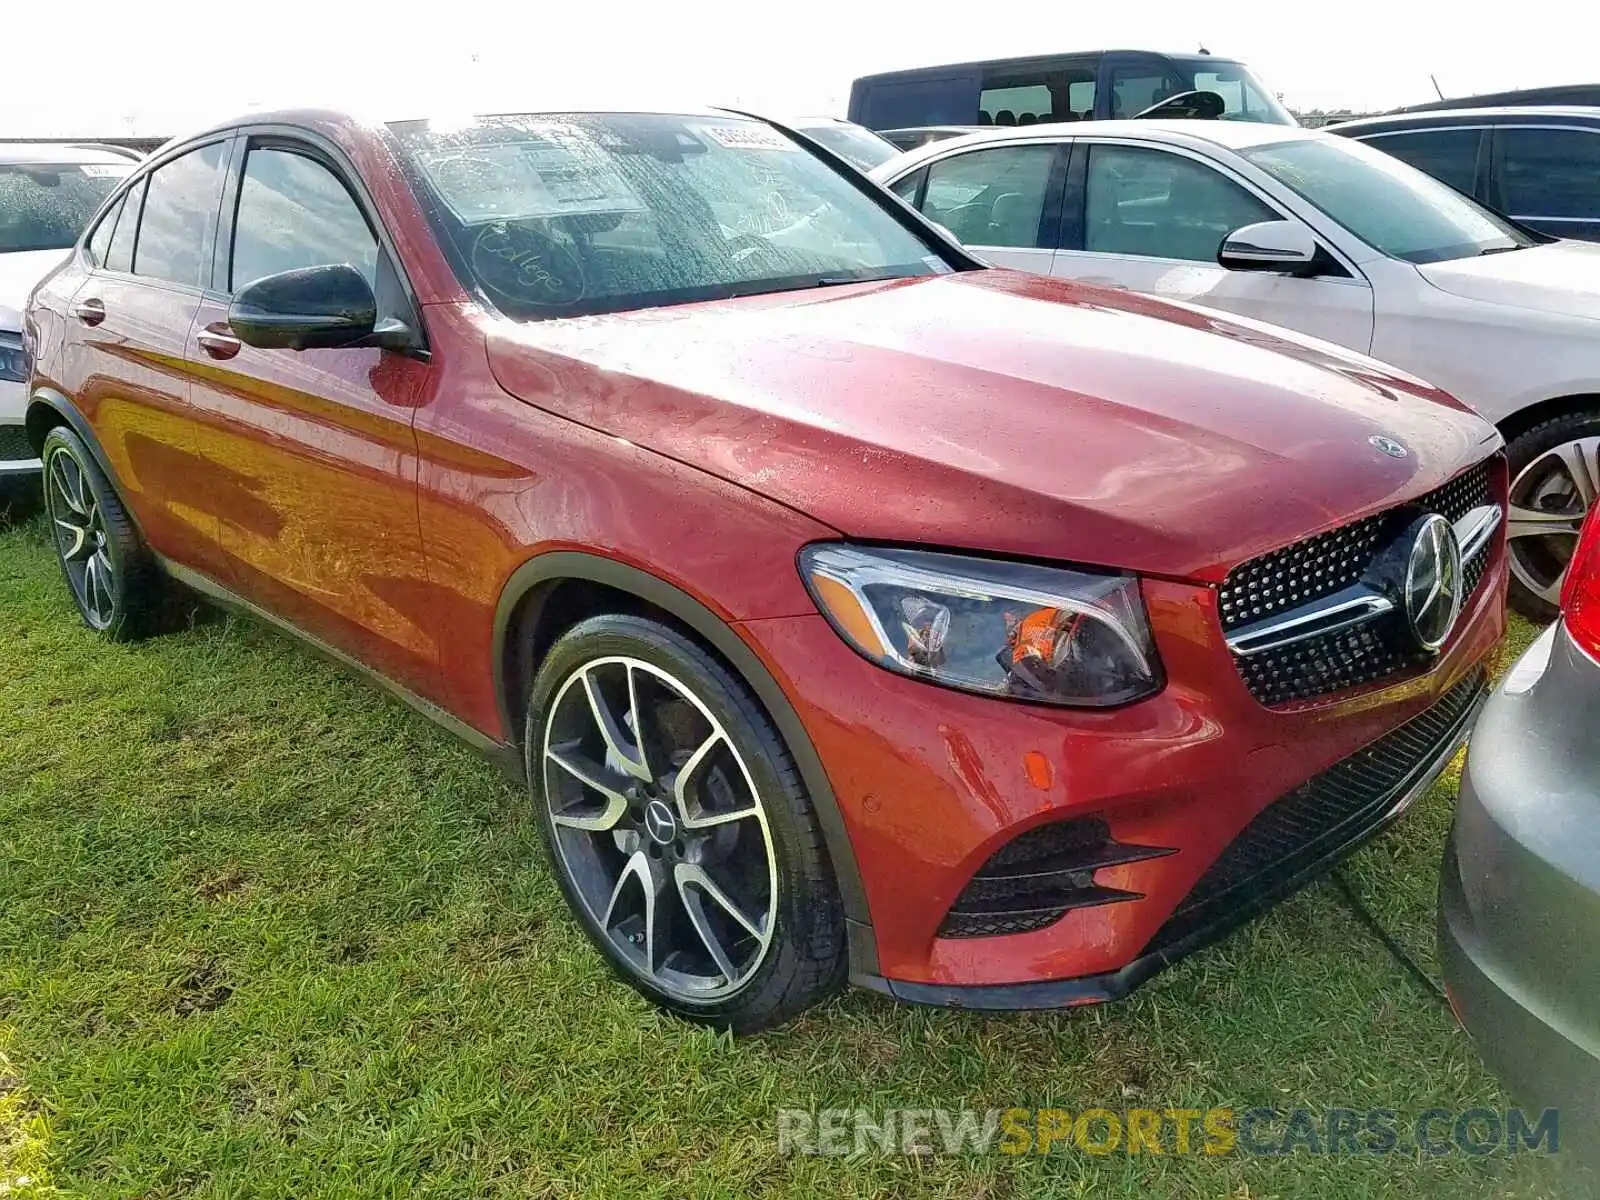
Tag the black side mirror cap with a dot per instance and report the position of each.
(322, 306)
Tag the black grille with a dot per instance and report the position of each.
(1290, 578)
(14, 445)
(1321, 819)
(1034, 879)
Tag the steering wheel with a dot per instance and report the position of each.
(523, 266)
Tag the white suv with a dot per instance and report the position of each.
(47, 195)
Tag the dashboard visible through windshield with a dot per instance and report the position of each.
(565, 215)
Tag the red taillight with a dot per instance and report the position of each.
(1580, 596)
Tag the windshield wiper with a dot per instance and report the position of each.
(1498, 249)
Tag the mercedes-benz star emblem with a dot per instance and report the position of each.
(1433, 582)
(1388, 445)
(659, 822)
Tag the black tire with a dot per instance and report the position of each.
(804, 957)
(1542, 560)
(108, 570)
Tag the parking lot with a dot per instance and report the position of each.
(268, 933)
(990, 620)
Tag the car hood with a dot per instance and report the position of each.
(1562, 278)
(1005, 412)
(19, 271)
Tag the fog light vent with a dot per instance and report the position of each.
(1037, 877)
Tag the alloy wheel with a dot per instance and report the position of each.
(81, 540)
(660, 828)
(1550, 497)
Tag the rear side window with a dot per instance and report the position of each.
(1449, 155)
(100, 239)
(295, 212)
(992, 197)
(1550, 172)
(119, 256)
(180, 208)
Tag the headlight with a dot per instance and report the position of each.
(13, 362)
(1004, 629)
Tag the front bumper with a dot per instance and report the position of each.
(16, 456)
(1519, 890)
(931, 783)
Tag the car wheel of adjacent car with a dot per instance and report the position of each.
(1555, 477)
(679, 827)
(106, 564)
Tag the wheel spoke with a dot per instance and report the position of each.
(1525, 522)
(1581, 461)
(595, 777)
(680, 790)
(62, 468)
(636, 717)
(92, 586)
(610, 730)
(80, 540)
(694, 906)
(694, 875)
(636, 871)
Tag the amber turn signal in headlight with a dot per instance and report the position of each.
(1050, 634)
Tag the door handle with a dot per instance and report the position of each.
(90, 311)
(218, 344)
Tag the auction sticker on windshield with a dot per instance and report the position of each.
(746, 137)
(560, 173)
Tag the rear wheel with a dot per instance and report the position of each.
(679, 827)
(106, 565)
(1555, 478)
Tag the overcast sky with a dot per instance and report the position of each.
(157, 66)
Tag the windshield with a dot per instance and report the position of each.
(857, 146)
(44, 206)
(1389, 205)
(1244, 97)
(563, 215)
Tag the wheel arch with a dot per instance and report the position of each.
(1528, 417)
(526, 618)
(48, 408)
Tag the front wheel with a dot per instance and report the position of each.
(679, 828)
(1555, 478)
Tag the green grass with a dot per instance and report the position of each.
(263, 932)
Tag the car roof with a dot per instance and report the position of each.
(1575, 114)
(62, 153)
(1023, 60)
(325, 117)
(1234, 135)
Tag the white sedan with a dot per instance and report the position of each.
(1325, 236)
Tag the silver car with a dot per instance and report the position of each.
(1519, 894)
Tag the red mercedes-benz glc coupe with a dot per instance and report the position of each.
(849, 607)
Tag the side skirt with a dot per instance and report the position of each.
(506, 757)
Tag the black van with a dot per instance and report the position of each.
(1099, 84)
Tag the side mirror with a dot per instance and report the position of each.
(1283, 246)
(309, 307)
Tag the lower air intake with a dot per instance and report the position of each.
(1036, 878)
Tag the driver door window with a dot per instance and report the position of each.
(1153, 221)
(294, 212)
(1003, 202)
(1154, 204)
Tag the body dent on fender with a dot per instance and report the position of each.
(557, 566)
